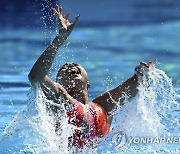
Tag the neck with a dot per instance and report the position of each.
(81, 96)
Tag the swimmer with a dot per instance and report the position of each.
(72, 85)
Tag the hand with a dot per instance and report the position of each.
(143, 68)
(63, 21)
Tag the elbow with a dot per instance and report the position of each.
(35, 77)
(31, 77)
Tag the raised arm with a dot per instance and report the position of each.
(44, 62)
(114, 97)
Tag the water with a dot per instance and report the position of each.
(153, 113)
(34, 129)
(110, 55)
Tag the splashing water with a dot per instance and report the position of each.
(153, 112)
(34, 131)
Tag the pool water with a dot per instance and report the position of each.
(109, 54)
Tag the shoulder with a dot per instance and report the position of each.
(101, 119)
(98, 109)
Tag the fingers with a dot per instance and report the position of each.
(152, 61)
(55, 11)
(141, 68)
(74, 22)
(149, 63)
(144, 64)
(144, 67)
(67, 15)
(64, 20)
(59, 9)
(76, 19)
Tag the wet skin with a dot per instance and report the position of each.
(72, 83)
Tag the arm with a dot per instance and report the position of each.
(44, 62)
(112, 98)
(41, 67)
(108, 100)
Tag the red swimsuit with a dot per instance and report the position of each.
(97, 120)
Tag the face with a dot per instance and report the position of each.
(73, 78)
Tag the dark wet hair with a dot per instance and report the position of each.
(68, 66)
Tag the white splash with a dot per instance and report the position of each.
(35, 129)
(152, 113)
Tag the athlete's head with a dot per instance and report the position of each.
(73, 77)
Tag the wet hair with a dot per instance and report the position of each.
(68, 66)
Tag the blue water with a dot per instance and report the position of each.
(109, 54)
